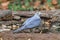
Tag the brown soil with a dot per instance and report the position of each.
(29, 36)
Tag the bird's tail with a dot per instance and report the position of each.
(19, 29)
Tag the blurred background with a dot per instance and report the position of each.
(29, 5)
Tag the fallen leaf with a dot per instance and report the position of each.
(54, 2)
(4, 5)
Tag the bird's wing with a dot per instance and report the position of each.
(33, 23)
(30, 19)
(33, 18)
(26, 21)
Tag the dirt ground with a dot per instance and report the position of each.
(29, 36)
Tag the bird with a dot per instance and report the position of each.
(31, 22)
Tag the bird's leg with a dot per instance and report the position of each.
(41, 31)
(42, 27)
(31, 30)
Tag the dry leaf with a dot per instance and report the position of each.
(54, 2)
(23, 6)
(4, 5)
(52, 8)
(46, 7)
(36, 4)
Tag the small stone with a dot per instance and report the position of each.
(4, 26)
(13, 27)
(29, 38)
(9, 27)
(1, 39)
(17, 17)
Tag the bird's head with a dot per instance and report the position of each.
(39, 13)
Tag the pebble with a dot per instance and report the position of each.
(1, 39)
(17, 17)
(29, 39)
(13, 27)
(3, 26)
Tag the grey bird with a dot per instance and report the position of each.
(31, 22)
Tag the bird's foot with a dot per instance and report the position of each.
(41, 32)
